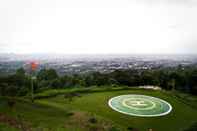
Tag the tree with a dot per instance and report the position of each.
(192, 83)
(48, 78)
(147, 78)
(122, 77)
(20, 72)
(47, 74)
(10, 91)
(163, 79)
(56, 83)
(3, 89)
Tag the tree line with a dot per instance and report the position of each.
(178, 78)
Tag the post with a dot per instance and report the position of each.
(32, 89)
(33, 68)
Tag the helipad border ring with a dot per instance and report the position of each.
(133, 114)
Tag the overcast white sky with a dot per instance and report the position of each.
(98, 26)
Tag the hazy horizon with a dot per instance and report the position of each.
(98, 27)
(51, 53)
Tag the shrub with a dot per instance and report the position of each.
(114, 129)
(130, 128)
(93, 120)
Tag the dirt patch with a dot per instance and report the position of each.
(88, 122)
(13, 122)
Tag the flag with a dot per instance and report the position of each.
(34, 66)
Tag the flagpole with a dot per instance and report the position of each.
(32, 90)
(33, 68)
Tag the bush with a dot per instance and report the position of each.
(114, 129)
(70, 114)
(130, 128)
(11, 103)
(93, 120)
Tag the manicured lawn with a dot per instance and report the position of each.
(59, 114)
(181, 116)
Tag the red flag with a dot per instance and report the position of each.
(34, 65)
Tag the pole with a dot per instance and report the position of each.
(33, 68)
(32, 90)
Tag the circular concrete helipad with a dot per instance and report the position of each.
(140, 105)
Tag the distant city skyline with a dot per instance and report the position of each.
(98, 27)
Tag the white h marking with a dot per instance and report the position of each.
(138, 103)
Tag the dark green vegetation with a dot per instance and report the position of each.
(177, 78)
(89, 111)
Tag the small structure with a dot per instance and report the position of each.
(150, 87)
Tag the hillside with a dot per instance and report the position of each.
(89, 111)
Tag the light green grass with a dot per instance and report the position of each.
(181, 116)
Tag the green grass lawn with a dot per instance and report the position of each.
(4, 127)
(54, 113)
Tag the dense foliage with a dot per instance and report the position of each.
(179, 78)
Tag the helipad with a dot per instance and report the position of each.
(140, 105)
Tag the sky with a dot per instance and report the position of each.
(98, 26)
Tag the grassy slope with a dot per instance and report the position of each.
(52, 113)
(96, 103)
(4, 127)
(51, 117)
(36, 115)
